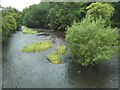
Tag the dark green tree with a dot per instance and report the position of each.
(36, 15)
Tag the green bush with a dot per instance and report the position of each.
(54, 58)
(98, 9)
(8, 26)
(90, 42)
(103, 10)
(39, 46)
(11, 21)
(61, 49)
(29, 31)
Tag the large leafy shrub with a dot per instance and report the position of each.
(91, 42)
(11, 21)
(8, 26)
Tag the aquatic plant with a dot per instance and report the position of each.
(54, 58)
(61, 49)
(29, 31)
(39, 46)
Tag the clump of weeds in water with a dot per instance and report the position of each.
(29, 31)
(54, 58)
(39, 46)
(61, 49)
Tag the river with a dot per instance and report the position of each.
(33, 70)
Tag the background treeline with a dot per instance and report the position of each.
(60, 15)
(56, 15)
(53, 15)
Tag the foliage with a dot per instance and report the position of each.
(11, 20)
(63, 14)
(14, 13)
(53, 15)
(90, 42)
(116, 15)
(29, 31)
(8, 26)
(61, 49)
(39, 46)
(54, 58)
(98, 9)
(35, 16)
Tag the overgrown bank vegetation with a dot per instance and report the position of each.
(11, 21)
(91, 28)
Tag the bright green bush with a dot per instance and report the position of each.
(61, 49)
(54, 58)
(39, 46)
(90, 42)
(11, 21)
(8, 26)
(29, 31)
(98, 9)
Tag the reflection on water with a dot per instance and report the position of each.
(32, 70)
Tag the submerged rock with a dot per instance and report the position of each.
(39, 34)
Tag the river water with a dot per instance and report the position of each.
(32, 70)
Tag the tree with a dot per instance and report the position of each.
(10, 21)
(99, 9)
(53, 15)
(36, 15)
(116, 15)
(62, 15)
(9, 25)
(14, 13)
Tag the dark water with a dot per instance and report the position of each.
(32, 70)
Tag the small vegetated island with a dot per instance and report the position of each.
(29, 31)
(91, 33)
(39, 46)
(54, 58)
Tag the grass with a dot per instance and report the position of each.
(29, 31)
(61, 49)
(39, 46)
(54, 58)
